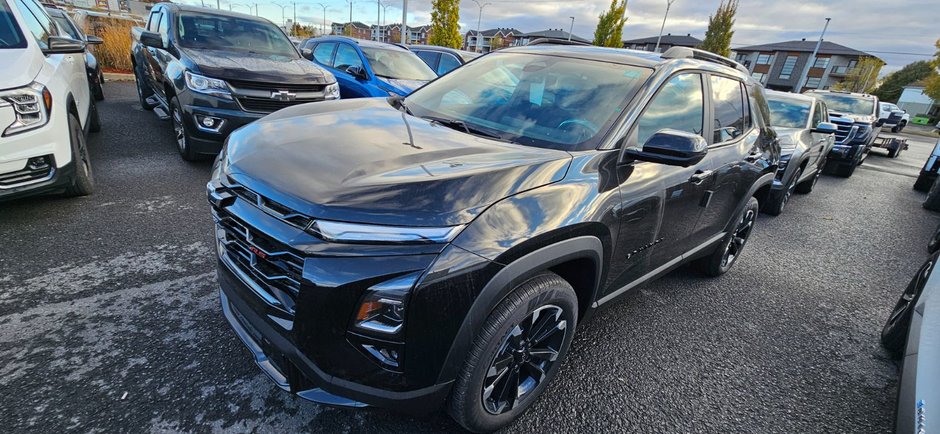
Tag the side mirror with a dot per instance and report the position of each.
(151, 39)
(306, 53)
(358, 72)
(63, 45)
(879, 122)
(826, 128)
(672, 147)
(93, 40)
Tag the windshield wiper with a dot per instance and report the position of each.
(456, 124)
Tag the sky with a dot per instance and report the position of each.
(879, 27)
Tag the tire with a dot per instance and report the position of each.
(932, 202)
(923, 183)
(894, 333)
(83, 183)
(776, 206)
(893, 152)
(934, 244)
(844, 170)
(99, 89)
(806, 187)
(726, 254)
(94, 121)
(143, 92)
(180, 134)
(484, 409)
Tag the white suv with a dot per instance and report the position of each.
(893, 116)
(45, 106)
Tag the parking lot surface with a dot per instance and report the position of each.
(110, 318)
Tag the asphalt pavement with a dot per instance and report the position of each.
(110, 318)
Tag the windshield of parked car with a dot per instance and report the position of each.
(397, 64)
(220, 32)
(851, 104)
(788, 112)
(10, 34)
(536, 100)
(65, 24)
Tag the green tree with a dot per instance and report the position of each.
(609, 31)
(721, 29)
(863, 77)
(933, 82)
(348, 30)
(445, 31)
(497, 42)
(890, 89)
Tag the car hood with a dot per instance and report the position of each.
(407, 86)
(18, 68)
(363, 161)
(852, 117)
(239, 65)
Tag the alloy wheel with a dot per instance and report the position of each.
(790, 189)
(738, 238)
(179, 129)
(524, 356)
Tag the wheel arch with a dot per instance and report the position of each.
(760, 190)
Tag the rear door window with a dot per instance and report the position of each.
(323, 54)
(728, 103)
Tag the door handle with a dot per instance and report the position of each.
(700, 176)
(752, 157)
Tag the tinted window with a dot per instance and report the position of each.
(429, 57)
(728, 103)
(448, 63)
(346, 56)
(323, 54)
(65, 25)
(818, 116)
(679, 105)
(10, 35)
(38, 25)
(154, 21)
(788, 112)
(846, 103)
(400, 64)
(221, 32)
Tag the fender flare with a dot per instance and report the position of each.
(510, 276)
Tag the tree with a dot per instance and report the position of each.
(893, 84)
(348, 30)
(445, 30)
(497, 42)
(863, 77)
(609, 31)
(933, 82)
(720, 29)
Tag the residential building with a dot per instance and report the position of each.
(482, 42)
(550, 34)
(916, 102)
(666, 42)
(779, 66)
(355, 29)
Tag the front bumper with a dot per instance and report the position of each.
(846, 153)
(209, 140)
(55, 182)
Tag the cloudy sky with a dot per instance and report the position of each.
(883, 28)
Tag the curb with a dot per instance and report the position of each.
(118, 76)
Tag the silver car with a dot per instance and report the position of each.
(806, 137)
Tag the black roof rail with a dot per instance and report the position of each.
(554, 41)
(694, 53)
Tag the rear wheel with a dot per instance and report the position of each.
(893, 152)
(727, 253)
(923, 182)
(517, 353)
(83, 183)
(894, 333)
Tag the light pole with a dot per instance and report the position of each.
(283, 16)
(668, 5)
(479, 19)
(241, 4)
(323, 29)
(571, 29)
(404, 20)
(811, 61)
(350, 11)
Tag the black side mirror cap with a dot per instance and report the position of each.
(152, 39)
(826, 128)
(63, 45)
(306, 53)
(358, 72)
(93, 40)
(671, 147)
(879, 122)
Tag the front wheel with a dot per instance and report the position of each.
(775, 207)
(83, 183)
(923, 182)
(516, 354)
(180, 133)
(806, 187)
(728, 252)
(934, 245)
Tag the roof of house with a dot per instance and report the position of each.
(492, 32)
(358, 24)
(686, 40)
(803, 45)
(555, 34)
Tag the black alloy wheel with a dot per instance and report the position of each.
(526, 353)
(776, 207)
(180, 134)
(726, 253)
(739, 238)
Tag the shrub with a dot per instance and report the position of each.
(115, 52)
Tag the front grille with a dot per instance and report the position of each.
(37, 168)
(267, 105)
(295, 88)
(844, 127)
(269, 206)
(270, 264)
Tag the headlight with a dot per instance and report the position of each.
(363, 233)
(331, 91)
(208, 86)
(31, 104)
(382, 307)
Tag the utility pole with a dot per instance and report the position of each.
(350, 11)
(378, 20)
(404, 20)
(812, 59)
(571, 29)
(294, 23)
(218, 5)
(479, 19)
(668, 5)
(323, 29)
(283, 16)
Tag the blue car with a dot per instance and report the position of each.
(366, 68)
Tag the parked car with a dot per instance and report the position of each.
(65, 24)
(444, 247)
(46, 106)
(806, 137)
(928, 173)
(933, 246)
(211, 72)
(893, 116)
(912, 334)
(442, 59)
(856, 116)
(367, 68)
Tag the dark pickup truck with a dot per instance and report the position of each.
(211, 72)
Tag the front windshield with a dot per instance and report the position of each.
(398, 64)
(66, 25)
(545, 101)
(10, 34)
(220, 32)
(788, 113)
(856, 105)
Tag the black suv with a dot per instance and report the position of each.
(443, 247)
(211, 72)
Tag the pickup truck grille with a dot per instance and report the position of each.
(844, 126)
(262, 97)
(262, 105)
(295, 88)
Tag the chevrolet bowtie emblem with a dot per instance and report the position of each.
(283, 95)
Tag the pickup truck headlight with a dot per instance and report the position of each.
(331, 91)
(208, 86)
(365, 233)
(31, 104)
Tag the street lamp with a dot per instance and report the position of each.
(668, 5)
(571, 29)
(245, 5)
(811, 61)
(479, 19)
(323, 29)
(283, 17)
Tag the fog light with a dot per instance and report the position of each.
(209, 123)
(38, 163)
(387, 356)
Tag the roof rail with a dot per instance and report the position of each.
(694, 53)
(554, 41)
